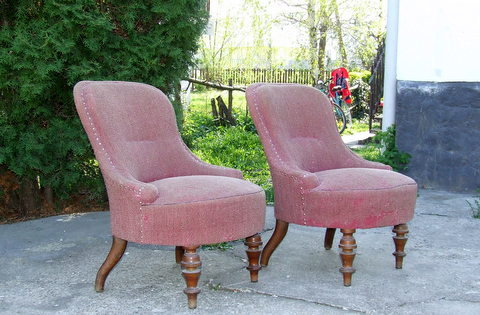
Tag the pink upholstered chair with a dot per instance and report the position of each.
(317, 180)
(158, 191)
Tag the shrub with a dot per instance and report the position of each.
(475, 205)
(389, 153)
(361, 94)
(48, 46)
(237, 148)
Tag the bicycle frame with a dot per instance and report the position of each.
(338, 100)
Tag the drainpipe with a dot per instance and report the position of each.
(390, 81)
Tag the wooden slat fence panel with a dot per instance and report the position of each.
(249, 76)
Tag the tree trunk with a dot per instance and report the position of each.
(225, 112)
(214, 108)
(338, 30)
(48, 197)
(322, 44)
(29, 195)
(312, 35)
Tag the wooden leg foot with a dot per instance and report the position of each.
(281, 229)
(254, 244)
(400, 239)
(329, 235)
(113, 257)
(179, 254)
(191, 270)
(348, 248)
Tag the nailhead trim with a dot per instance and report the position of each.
(97, 138)
(265, 130)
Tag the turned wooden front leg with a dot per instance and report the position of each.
(281, 229)
(191, 270)
(400, 239)
(113, 257)
(348, 248)
(254, 244)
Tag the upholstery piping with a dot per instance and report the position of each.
(97, 138)
(264, 128)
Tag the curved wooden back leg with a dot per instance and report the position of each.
(179, 254)
(254, 244)
(400, 239)
(191, 270)
(329, 235)
(348, 248)
(281, 229)
(113, 257)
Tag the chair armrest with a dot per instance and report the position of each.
(144, 193)
(306, 179)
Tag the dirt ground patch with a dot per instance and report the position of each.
(77, 205)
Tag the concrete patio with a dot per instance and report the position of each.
(49, 265)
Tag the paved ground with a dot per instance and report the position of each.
(49, 265)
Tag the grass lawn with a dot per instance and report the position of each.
(238, 146)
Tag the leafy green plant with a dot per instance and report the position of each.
(197, 125)
(237, 148)
(360, 94)
(475, 205)
(48, 46)
(389, 153)
(219, 246)
(358, 126)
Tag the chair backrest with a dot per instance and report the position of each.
(296, 125)
(132, 127)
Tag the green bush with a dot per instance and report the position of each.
(48, 46)
(475, 205)
(389, 153)
(361, 94)
(197, 125)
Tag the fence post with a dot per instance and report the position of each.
(230, 96)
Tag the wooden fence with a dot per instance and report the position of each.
(248, 76)
(376, 83)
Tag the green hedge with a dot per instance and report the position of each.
(48, 46)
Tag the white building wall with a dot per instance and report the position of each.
(439, 40)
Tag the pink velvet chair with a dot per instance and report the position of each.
(158, 191)
(317, 180)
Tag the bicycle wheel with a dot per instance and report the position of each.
(340, 118)
(346, 110)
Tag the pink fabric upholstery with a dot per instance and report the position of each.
(159, 192)
(318, 181)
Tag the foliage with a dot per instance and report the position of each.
(219, 246)
(389, 153)
(475, 205)
(48, 46)
(360, 94)
(358, 126)
(234, 23)
(237, 148)
(197, 125)
(368, 152)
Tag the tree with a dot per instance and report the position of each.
(45, 48)
(314, 17)
(238, 36)
(352, 30)
(364, 30)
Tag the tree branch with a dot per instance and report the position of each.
(217, 85)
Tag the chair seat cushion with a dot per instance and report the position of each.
(201, 188)
(360, 198)
(194, 210)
